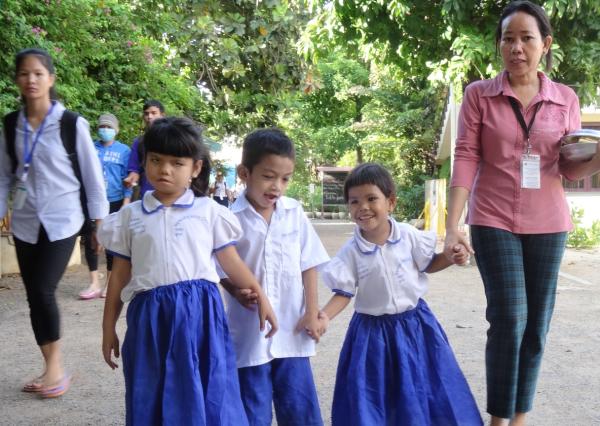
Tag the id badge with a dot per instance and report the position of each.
(20, 195)
(530, 171)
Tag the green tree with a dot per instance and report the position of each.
(105, 60)
(452, 41)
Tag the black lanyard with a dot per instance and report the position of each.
(521, 120)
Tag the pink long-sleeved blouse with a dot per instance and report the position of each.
(488, 153)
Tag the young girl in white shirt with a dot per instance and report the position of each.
(396, 365)
(178, 360)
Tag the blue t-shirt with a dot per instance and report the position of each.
(114, 159)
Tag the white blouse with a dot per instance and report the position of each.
(386, 279)
(167, 245)
(52, 187)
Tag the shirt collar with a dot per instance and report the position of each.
(242, 203)
(548, 91)
(150, 203)
(367, 247)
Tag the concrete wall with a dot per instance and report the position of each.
(8, 256)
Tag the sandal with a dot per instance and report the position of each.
(57, 389)
(34, 386)
(90, 293)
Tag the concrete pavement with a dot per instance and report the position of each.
(568, 390)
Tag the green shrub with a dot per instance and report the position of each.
(581, 237)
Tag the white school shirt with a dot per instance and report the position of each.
(220, 189)
(386, 279)
(52, 187)
(277, 254)
(167, 245)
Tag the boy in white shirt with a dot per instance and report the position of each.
(283, 250)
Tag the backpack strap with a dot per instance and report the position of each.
(10, 130)
(68, 135)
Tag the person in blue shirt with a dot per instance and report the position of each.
(153, 109)
(114, 157)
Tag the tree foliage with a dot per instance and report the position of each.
(228, 64)
(453, 40)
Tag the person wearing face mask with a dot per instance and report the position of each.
(114, 157)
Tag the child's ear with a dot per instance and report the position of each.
(197, 168)
(392, 203)
(243, 172)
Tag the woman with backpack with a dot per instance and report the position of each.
(47, 213)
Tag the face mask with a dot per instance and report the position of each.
(107, 134)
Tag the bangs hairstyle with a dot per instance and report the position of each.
(370, 174)
(263, 142)
(532, 9)
(44, 58)
(180, 137)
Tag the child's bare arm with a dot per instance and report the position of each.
(438, 263)
(119, 278)
(241, 277)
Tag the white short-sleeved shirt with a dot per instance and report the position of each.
(386, 279)
(277, 254)
(167, 245)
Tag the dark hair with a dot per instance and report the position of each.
(263, 142)
(154, 103)
(179, 137)
(370, 174)
(540, 16)
(44, 58)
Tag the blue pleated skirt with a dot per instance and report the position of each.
(400, 370)
(178, 359)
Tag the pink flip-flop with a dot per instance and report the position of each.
(57, 389)
(34, 386)
(89, 294)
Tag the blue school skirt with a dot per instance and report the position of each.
(178, 359)
(400, 370)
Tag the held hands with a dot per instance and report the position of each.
(460, 255)
(312, 325)
(456, 248)
(110, 343)
(246, 297)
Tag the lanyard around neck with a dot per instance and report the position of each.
(28, 156)
(526, 128)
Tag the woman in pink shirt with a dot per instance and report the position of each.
(507, 165)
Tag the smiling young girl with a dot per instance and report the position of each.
(396, 365)
(178, 359)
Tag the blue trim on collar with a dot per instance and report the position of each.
(151, 204)
(367, 247)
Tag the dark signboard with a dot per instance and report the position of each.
(333, 187)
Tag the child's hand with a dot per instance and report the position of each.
(460, 255)
(110, 343)
(323, 322)
(311, 324)
(246, 297)
(266, 313)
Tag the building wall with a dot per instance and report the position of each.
(589, 202)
